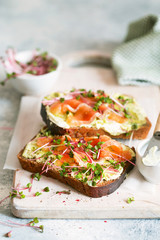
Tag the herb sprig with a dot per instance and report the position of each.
(130, 199)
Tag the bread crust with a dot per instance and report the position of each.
(105, 188)
(140, 133)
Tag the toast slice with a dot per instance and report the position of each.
(95, 166)
(86, 113)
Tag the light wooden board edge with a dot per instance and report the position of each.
(117, 213)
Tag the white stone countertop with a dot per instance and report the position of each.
(62, 27)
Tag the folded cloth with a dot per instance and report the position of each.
(137, 60)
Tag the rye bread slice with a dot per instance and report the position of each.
(102, 189)
(140, 133)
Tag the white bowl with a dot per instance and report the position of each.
(35, 85)
(151, 174)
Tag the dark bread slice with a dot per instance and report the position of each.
(105, 188)
(140, 133)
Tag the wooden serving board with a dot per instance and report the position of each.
(76, 205)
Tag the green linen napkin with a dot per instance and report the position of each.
(137, 60)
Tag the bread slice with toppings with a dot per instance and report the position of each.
(87, 113)
(95, 166)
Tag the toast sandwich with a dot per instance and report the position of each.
(95, 166)
(82, 113)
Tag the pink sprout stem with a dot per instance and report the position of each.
(99, 150)
(64, 151)
(18, 189)
(90, 159)
(9, 225)
(44, 164)
(124, 158)
(40, 147)
(6, 128)
(4, 199)
(115, 112)
(31, 185)
(116, 101)
(23, 225)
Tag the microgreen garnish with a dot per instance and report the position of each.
(101, 92)
(66, 140)
(122, 164)
(29, 185)
(8, 76)
(58, 141)
(100, 101)
(128, 134)
(36, 176)
(120, 97)
(74, 169)
(90, 94)
(111, 161)
(34, 63)
(85, 159)
(124, 100)
(117, 166)
(92, 174)
(78, 97)
(59, 156)
(47, 133)
(98, 135)
(44, 54)
(107, 100)
(46, 189)
(97, 104)
(48, 153)
(130, 199)
(79, 144)
(31, 224)
(89, 146)
(35, 220)
(61, 99)
(63, 169)
(134, 126)
(37, 194)
(127, 115)
(68, 143)
(73, 90)
(16, 193)
(71, 154)
(41, 227)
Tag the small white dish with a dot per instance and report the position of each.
(150, 173)
(29, 84)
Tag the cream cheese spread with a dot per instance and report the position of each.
(152, 158)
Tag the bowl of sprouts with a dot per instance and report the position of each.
(31, 72)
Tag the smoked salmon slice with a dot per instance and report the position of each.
(41, 141)
(84, 114)
(84, 109)
(44, 141)
(117, 118)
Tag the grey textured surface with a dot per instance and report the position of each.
(62, 27)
